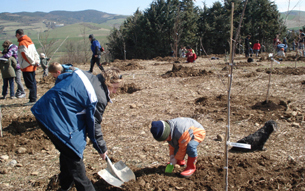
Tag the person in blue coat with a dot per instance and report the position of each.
(70, 111)
(97, 50)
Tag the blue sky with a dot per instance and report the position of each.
(124, 7)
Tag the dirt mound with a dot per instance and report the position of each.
(128, 88)
(129, 66)
(48, 80)
(242, 108)
(24, 132)
(170, 59)
(252, 74)
(270, 106)
(246, 172)
(181, 71)
(247, 64)
(284, 71)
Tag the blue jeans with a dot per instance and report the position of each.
(191, 149)
(5, 86)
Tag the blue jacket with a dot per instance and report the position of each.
(74, 108)
(95, 47)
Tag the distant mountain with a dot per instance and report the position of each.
(65, 17)
(295, 19)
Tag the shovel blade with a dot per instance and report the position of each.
(124, 172)
(109, 178)
(169, 168)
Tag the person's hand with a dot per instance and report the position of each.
(173, 160)
(0, 52)
(103, 155)
(95, 56)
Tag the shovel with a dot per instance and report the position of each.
(169, 168)
(116, 174)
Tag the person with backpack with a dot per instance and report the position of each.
(97, 50)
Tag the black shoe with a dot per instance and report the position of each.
(3, 97)
(30, 103)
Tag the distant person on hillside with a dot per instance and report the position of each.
(28, 60)
(96, 53)
(257, 47)
(69, 112)
(44, 62)
(12, 51)
(56, 69)
(183, 136)
(247, 46)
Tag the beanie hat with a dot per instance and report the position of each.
(91, 36)
(42, 55)
(160, 130)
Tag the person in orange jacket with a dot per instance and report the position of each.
(183, 136)
(28, 61)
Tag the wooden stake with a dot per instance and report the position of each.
(1, 123)
(230, 78)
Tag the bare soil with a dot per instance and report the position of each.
(166, 88)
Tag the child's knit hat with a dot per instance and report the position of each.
(160, 130)
(42, 55)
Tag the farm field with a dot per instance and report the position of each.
(166, 88)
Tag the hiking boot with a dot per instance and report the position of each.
(191, 167)
(30, 103)
(21, 95)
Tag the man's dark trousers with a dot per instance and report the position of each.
(72, 168)
(96, 60)
(30, 83)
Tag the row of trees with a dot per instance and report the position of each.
(169, 24)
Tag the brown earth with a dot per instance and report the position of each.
(159, 89)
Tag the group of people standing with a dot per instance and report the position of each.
(279, 46)
(16, 60)
(24, 60)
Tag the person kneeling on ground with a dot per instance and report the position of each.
(56, 69)
(183, 136)
(191, 56)
(69, 112)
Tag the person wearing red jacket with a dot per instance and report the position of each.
(257, 47)
(28, 61)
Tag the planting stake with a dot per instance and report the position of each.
(227, 139)
(1, 123)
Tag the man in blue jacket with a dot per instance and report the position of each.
(68, 112)
(96, 53)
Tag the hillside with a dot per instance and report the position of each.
(65, 17)
(295, 19)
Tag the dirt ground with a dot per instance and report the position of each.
(166, 88)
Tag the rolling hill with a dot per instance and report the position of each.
(295, 19)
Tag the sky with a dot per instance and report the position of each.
(122, 7)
